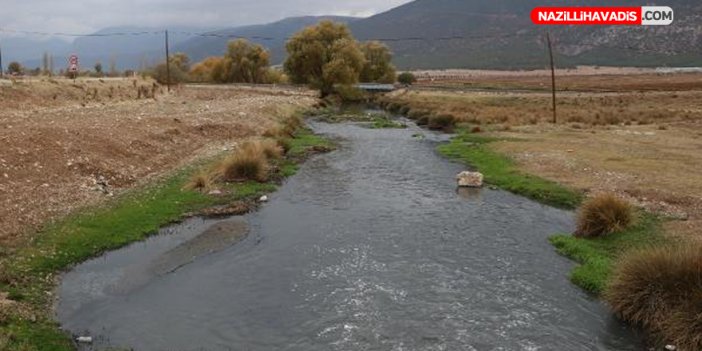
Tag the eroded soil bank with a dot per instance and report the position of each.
(68, 145)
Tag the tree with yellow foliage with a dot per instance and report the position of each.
(204, 70)
(323, 56)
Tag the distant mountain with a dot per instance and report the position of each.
(126, 49)
(24, 49)
(423, 34)
(499, 34)
(272, 36)
(129, 50)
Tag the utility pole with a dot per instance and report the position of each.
(553, 76)
(1, 69)
(168, 65)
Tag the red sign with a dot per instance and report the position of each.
(629, 16)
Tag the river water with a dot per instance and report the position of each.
(370, 247)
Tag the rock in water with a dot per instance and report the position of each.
(470, 179)
(84, 339)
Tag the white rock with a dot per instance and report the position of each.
(670, 347)
(263, 198)
(85, 339)
(470, 179)
(215, 192)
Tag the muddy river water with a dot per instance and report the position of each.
(370, 247)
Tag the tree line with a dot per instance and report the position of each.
(326, 57)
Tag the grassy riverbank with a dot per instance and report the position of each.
(598, 256)
(29, 275)
(500, 171)
(640, 272)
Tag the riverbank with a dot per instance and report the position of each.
(596, 256)
(72, 145)
(591, 156)
(31, 273)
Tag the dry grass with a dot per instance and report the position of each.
(566, 80)
(444, 122)
(246, 164)
(516, 109)
(661, 289)
(267, 147)
(603, 214)
(201, 181)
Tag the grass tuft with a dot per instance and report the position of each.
(661, 289)
(247, 163)
(441, 122)
(200, 181)
(602, 215)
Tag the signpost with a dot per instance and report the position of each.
(73, 66)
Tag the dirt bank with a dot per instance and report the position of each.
(70, 144)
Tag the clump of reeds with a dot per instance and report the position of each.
(603, 214)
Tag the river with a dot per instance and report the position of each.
(370, 247)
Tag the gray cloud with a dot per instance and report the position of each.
(86, 16)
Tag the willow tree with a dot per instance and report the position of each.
(244, 62)
(323, 56)
(208, 70)
(378, 67)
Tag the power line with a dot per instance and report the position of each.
(252, 37)
(267, 38)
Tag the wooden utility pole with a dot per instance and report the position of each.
(553, 76)
(168, 64)
(1, 69)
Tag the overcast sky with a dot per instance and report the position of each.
(86, 16)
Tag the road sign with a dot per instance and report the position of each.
(73, 63)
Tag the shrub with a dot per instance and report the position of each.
(476, 129)
(267, 147)
(393, 107)
(661, 289)
(247, 163)
(441, 122)
(416, 114)
(292, 124)
(603, 214)
(404, 110)
(422, 121)
(406, 78)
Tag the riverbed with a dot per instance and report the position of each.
(370, 247)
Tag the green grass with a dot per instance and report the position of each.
(382, 123)
(598, 256)
(306, 141)
(29, 272)
(500, 171)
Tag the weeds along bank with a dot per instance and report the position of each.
(46, 92)
(229, 183)
(630, 255)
